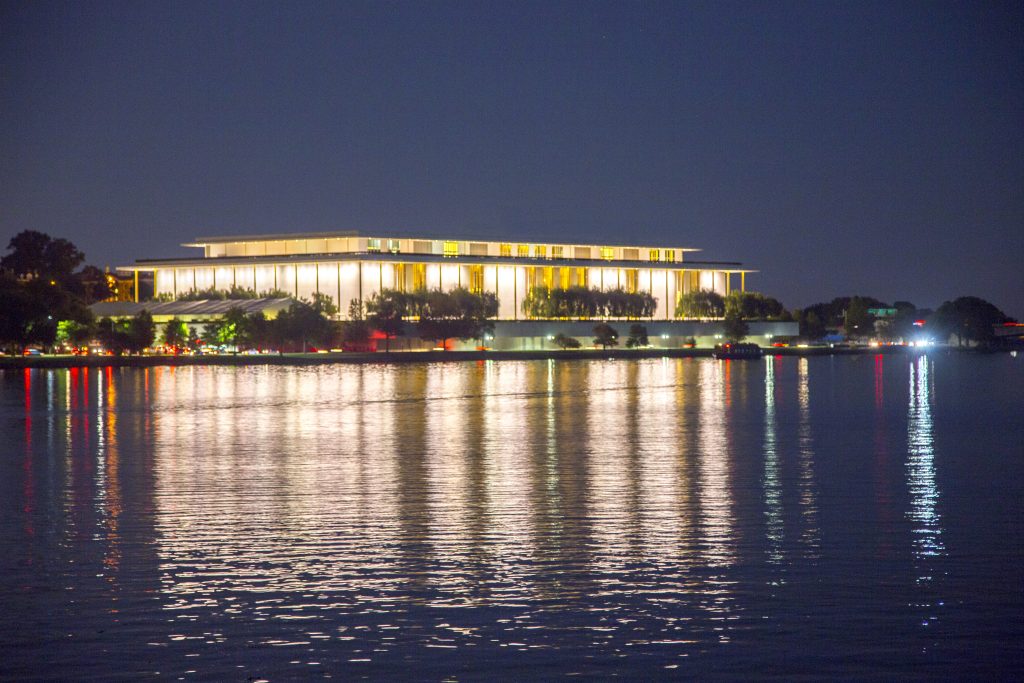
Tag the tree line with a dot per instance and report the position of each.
(968, 319)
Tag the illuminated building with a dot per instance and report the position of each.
(350, 265)
(121, 288)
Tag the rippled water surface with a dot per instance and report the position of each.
(855, 517)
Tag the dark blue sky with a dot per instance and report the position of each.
(840, 148)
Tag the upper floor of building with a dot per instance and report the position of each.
(321, 243)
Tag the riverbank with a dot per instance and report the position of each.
(19, 362)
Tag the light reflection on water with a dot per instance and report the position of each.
(921, 483)
(619, 516)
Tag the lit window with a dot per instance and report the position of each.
(451, 248)
(607, 253)
(506, 249)
(655, 254)
(373, 245)
(564, 275)
(632, 279)
(556, 252)
(540, 251)
(670, 255)
(549, 277)
(476, 279)
(582, 277)
(400, 277)
(419, 276)
(394, 246)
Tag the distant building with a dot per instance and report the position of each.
(122, 287)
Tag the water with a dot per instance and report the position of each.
(848, 517)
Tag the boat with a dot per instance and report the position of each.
(736, 351)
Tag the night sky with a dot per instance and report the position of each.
(851, 148)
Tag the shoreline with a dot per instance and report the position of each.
(303, 359)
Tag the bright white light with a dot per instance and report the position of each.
(664, 336)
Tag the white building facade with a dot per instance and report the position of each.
(346, 266)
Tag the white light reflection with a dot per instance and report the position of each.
(775, 530)
(608, 490)
(811, 535)
(715, 485)
(509, 445)
(718, 543)
(924, 492)
(657, 442)
(453, 488)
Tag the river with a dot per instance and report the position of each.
(850, 517)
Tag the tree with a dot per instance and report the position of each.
(141, 331)
(637, 337)
(734, 327)
(858, 322)
(458, 313)
(605, 336)
(324, 305)
(37, 255)
(231, 327)
(39, 288)
(30, 311)
(213, 331)
(77, 333)
(386, 311)
(113, 335)
(833, 314)
(811, 325)
(175, 335)
(300, 325)
(563, 342)
(355, 331)
(702, 303)
(968, 318)
(254, 331)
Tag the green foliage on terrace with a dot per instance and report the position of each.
(701, 304)
(755, 306)
(234, 293)
(583, 303)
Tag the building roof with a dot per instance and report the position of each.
(118, 309)
(399, 234)
(373, 257)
